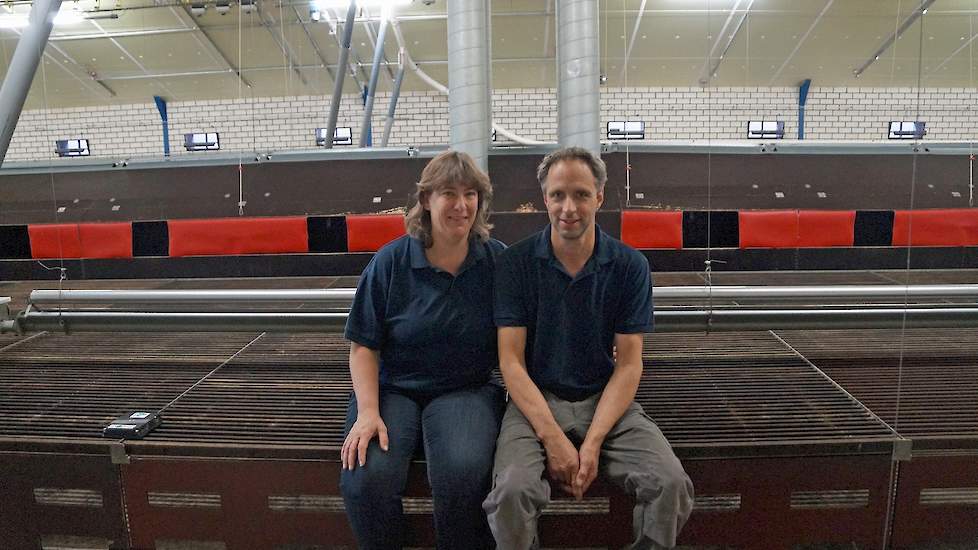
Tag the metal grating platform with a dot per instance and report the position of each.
(936, 384)
(748, 390)
(73, 386)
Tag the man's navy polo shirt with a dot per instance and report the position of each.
(434, 331)
(571, 322)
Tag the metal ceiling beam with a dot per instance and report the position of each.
(88, 78)
(801, 41)
(921, 10)
(115, 34)
(631, 41)
(130, 56)
(334, 67)
(713, 66)
(315, 46)
(269, 23)
(955, 52)
(207, 43)
(716, 43)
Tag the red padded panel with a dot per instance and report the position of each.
(229, 236)
(941, 227)
(81, 240)
(55, 241)
(369, 233)
(818, 228)
(768, 229)
(642, 229)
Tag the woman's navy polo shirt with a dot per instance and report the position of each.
(434, 331)
(571, 322)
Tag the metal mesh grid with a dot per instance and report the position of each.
(292, 390)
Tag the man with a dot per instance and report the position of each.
(564, 299)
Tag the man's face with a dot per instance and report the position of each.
(572, 199)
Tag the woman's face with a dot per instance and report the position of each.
(453, 209)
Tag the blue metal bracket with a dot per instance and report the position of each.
(161, 107)
(802, 99)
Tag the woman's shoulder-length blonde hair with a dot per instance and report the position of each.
(447, 168)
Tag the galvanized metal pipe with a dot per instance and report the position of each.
(334, 103)
(468, 79)
(329, 297)
(131, 321)
(368, 108)
(23, 65)
(344, 296)
(578, 75)
(665, 321)
(808, 319)
(395, 94)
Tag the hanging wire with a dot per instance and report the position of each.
(241, 202)
(913, 189)
(61, 269)
(628, 162)
(708, 264)
(896, 33)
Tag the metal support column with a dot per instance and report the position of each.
(578, 74)
(23, 65)
(468, 79)
(368, 107)
(334, 103)
(395, 94)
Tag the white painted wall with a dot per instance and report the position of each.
(288, 123)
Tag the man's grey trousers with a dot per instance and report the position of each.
(635, 456)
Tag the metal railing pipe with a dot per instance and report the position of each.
(694, 320)
(133, 321)
(338, 297)
(341, 297)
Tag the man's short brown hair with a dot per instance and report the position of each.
(592, 161)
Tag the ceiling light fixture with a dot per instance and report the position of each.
(896, 35)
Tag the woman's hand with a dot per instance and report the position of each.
(367, 426)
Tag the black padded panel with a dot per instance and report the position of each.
(873, 228)
(15, 242)
(327, 233)
(723, 228)
(150, 239)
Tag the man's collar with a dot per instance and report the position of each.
(602, 252)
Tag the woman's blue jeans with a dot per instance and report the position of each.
(458, 431)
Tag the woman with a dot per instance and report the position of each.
(422, 348)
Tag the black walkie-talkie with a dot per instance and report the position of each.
(133, 425)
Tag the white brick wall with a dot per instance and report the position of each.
(288, 123)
